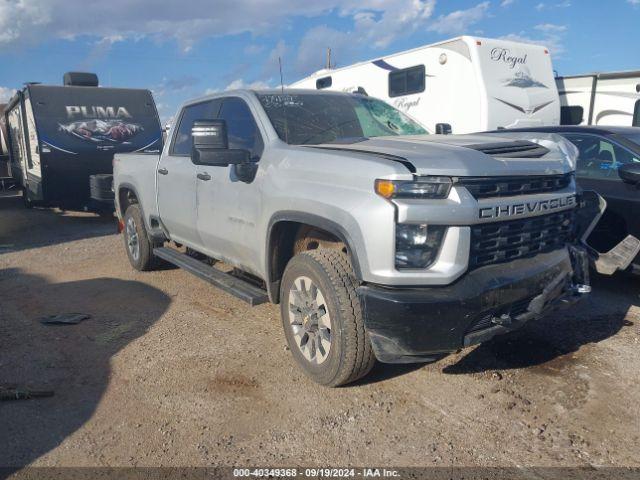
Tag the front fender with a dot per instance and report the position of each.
(351, 237)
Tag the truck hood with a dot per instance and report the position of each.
(463, 155)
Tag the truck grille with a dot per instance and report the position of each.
(483, 187)
(505, 241)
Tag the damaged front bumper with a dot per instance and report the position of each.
(408, 325)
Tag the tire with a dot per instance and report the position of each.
(136, 241)
(346, 354)
(26, 198)
(101, 187)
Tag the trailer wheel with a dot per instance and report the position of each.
(322, 318)
(26, 198)
(136, 241)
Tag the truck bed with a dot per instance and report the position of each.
(137, 171)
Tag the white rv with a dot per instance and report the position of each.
(600, 99)
(469, 83)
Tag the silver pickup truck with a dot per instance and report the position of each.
(376, 239)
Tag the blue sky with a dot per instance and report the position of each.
(183, 49)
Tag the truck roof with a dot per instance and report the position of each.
(265, 91)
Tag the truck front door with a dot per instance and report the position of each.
(177, 179)
(228, 207)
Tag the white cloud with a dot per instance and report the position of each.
(460, 20)
(506, 3)
(239, 84)
(564, 4)
(312, 51)
(551, 36)
(551, 28)
(24, 21)
(277, 54)
(6, 94)
(635, 3)
(376, 23)
(382, 21)
(253, 49)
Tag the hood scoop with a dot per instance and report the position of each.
(516, 149)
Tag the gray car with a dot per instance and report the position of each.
(376, 239)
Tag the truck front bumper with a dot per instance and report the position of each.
(408, 325)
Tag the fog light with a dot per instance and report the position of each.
(417, 246)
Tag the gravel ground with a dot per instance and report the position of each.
(170, 371)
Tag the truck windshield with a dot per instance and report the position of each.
(312, 119)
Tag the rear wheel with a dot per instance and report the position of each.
(322, 318)
(26, 198)
(136, 240)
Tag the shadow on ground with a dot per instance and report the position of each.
(22, 228)
(71, 360)
(561, 333)
(594, 319)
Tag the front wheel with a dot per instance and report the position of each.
(136, 240)
(322, 318)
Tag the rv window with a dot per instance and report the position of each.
(571, 115)
(324, 82)
(407, 81)
(636, 115)
(201, 111)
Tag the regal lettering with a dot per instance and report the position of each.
(504, 55)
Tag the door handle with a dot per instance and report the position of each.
(163, 171)
(204, 176)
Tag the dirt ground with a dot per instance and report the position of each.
(170, 371)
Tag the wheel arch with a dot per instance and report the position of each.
(124, 200)
(279, 230)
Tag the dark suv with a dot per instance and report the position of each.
(609, 163)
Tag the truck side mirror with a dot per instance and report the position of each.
(443, 129)
(211, 145)
(630, 173)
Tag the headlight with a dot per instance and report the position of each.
(417, 246)
(421, 187)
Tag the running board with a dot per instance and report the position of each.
(237, 287)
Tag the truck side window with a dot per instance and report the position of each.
(241, 127)
(636, 114)
(599, 158)
(201, 111)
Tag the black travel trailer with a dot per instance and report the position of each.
(62, 139)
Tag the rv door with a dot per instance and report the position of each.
(17, 145)
(24, 152)
(33, 149)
